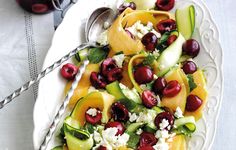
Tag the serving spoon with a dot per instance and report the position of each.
(94, 27)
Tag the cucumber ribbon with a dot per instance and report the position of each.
(185, 125)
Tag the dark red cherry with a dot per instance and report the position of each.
(189, 67)
(146, 147)
(159, 85)
(119, 112)
(171, 39)
(40, 8)
(147, 139)
(97, 80)
(149, 40)
(107, 65)
(94, 119)
(148, 98)
(143, 74)
(193, 103)
(164, 115)
(172, 88)
(101, 148)
(166, 25)
(125, 5)
(114, 74)
(120, 127)
(69, 71)
(165, 5)
(191, 47)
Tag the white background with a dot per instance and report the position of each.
(16, 120)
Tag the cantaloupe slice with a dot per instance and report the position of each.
(180, 99)
(119, 40)
(99, 100)
(178, 143)
(83, 86)
(201, 92)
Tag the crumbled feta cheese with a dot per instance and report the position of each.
(132, 117)
(164, 124)
(97, 137)
(156, 33)
(119, 59)
(143, 86)
(91, 89)
(92, 112)
(146, 117)
(162, 134)
(155, 76)
(161, 145)
(139, 131)
(150, 25)
(178, 113)
(102, 38)
(106, 25)
(122, 140)
(156, 53)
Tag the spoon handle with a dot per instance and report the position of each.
(63, 106)
(49, 69)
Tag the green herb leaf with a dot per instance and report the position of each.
(96, 55)
(192, 84)
(149, 59)
(89, 127)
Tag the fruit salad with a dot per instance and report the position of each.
(142, 90)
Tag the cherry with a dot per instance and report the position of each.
(119, 112)
(97, 80)
(171, 39)
(120, 127)
(125, 5)
(149, 40)
(159, 85)
(107, 65)
(193, 103)
(146, 147)
(166, 25)
(69, 71)
(94, 119)
(172, 88)
(39, 8)
(101, 148)
(189, 67)
(164, 115)
(147, 139)
(148, 99)
(165, 5)
(143, 74)
(191, 47)
(114, 74)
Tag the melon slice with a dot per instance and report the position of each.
(178, 143)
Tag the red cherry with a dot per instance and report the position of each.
(114, 74)
(94, 119)
(143, 75)
(149, 40)
(120, 127)
(164, 115)
(147, 139)
(166, 25)
(171, 39)
(193, 103)
(97, 80)
(148, 99)
(189, 67)
(159, 85)
(102, 148)
(172, 88)
(119, 112)
(107, 65)
(146, 147)
(69, 71)
(191, 47)
(165, 5)
(40, 8)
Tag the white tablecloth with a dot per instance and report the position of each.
(24, 41)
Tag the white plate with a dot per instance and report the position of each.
(71, 33)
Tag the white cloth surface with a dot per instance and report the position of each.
(17, 65)
(24, 41)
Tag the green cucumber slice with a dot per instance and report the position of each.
(133, 140)
(185, 125)
(133, 127)
(170, 56)
(82, 55)
(185, 20)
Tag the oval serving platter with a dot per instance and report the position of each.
(71, 33)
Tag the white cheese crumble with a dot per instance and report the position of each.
(178, 113)
(102, 38)
(139, 30)
(109, 139)
(119, 59)
(139, 131)
(164, 124)
(161, 145)
(132, 117)
(147, 117)
(92, 112)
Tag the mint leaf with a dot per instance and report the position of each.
(192, 84)
(96, 55)
(149, 59)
